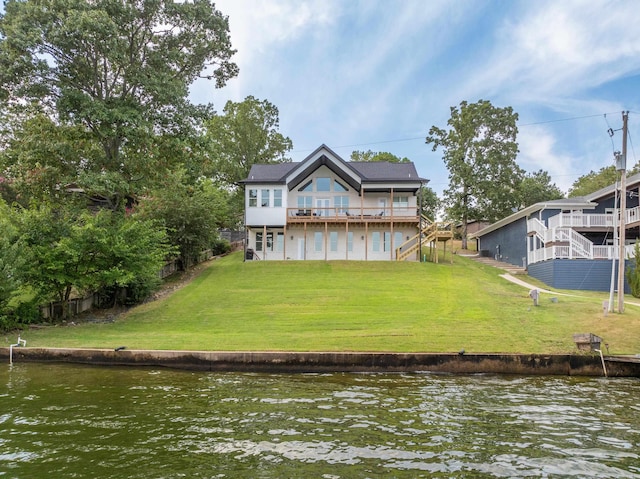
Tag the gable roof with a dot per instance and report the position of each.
(353, 173)
(631, 181)
(561, 204)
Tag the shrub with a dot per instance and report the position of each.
(27, 312)
(633, 273)
(220, 246)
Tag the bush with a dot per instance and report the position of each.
(27, 312)
(633, 273)
(220, 246)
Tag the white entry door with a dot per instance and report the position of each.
(300, 248)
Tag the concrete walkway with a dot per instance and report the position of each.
(524, 284)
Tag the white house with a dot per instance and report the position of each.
(324, 208)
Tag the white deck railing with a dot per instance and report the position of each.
(575, 245)
(565, 252)
(582, 220)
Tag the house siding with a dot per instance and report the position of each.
(508, 244)
(581, 274)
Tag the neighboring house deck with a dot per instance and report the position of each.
(569, 243)
(325, 208)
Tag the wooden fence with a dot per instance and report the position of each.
(55, 309)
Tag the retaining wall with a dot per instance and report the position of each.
(288, 362)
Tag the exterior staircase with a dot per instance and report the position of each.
(429, 231)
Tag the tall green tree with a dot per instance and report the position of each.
(429, 202)
(479, 149)
(595, 180)
(191, 214)
(537, 187)
(12, 260)
(245, 134)
(377, 156)
(120, 70)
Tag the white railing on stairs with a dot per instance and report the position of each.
(577, 246)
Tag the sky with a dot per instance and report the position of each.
(377, 74)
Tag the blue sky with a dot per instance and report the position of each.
(378, 74)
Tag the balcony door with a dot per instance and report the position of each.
(382, 203)
(322, 206)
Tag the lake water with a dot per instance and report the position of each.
(65, 421)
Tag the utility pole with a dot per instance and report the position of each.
(623, 213)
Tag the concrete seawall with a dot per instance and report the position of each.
(288, 362)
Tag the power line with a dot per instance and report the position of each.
(566, 119)
(398, 140)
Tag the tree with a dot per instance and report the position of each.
(11, 261)
(593, 181)
(71, 249)
(633, 272)
(246, 134)
(479, 150)
(377, 156)
(120, 70)
(537, 187)
(191, 214)
(430, 202)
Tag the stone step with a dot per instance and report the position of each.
(510, 268)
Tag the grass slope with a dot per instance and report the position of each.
(354, 306)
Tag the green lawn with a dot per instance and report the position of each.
(354, 306)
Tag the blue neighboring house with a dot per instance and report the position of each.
(567, 243)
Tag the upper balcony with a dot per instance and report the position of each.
(352, 215)
(592, 221)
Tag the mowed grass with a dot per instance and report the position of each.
(354, 306)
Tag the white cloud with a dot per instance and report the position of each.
(554, 49)
(539, 151)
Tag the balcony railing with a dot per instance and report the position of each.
(566, 252)
(582, 220)
(346, 214)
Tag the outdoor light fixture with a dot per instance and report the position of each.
(291, 237)
(362, 237)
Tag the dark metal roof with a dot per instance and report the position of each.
(385, 171)
(271, 173)
(367, 171)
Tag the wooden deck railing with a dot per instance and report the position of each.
(343, 214)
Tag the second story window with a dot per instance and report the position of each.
(277, 198)
(341, 204)
(253, 197)
(400, 201)
(337, 186)
(323, 184)
(264, 198)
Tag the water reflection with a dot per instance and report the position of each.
(72, 421)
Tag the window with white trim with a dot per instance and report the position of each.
(323, 184)
(400, 201)
(333, 241)
(317, 241)
(375, 241)
(341, 204)
(253, 197)
(277, 198)
(264, 198)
